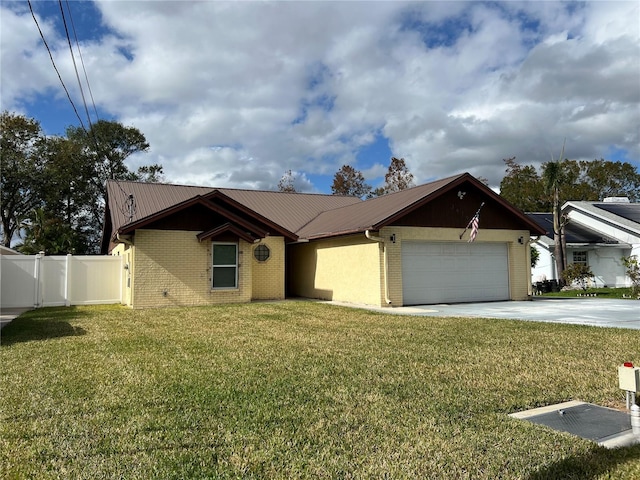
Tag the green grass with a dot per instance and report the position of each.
(299, 390)
(604, 292)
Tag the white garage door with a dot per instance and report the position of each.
(454, 272)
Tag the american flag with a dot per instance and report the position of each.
(474, 228)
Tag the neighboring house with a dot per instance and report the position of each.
(8, 251)
(195, 245)
(597, 234)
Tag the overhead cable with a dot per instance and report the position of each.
(84, 70)
(54, 65)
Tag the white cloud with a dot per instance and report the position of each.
(26, 68)
(236, 93)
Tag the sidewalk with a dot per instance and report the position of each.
(8, 314)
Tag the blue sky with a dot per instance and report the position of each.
(233, 94)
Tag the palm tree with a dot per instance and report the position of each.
(554, 177)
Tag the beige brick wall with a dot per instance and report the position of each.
(268, 276)
(349, 269)
(176, 263)
(345, 269)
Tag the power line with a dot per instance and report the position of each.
(86, 77)
(33, 15)
(130, 204)
(75, 67)
(95, 110)
(129, 207)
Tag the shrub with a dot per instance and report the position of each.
(535, 256)
(577, 273)
(633, 272)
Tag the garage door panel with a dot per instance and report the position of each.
(435, 272)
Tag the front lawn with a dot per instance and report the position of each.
(299, 390)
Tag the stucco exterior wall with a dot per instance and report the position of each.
(606, 265)
(268, 276)
(172, 268)
(346, 269)
(126, 251)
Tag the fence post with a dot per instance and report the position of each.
(122, 273)
(67, 281)
(37, 279)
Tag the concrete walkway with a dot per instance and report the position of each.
(8, 314)
(578, 311)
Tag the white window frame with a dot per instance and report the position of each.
(213, 267)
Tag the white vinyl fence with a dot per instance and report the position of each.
(40, 281)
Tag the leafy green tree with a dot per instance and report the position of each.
(44, 233)
(21, 172)
(633, 272)
(583, 180)
(612, 179)
(349, 181)
(535, 256)
(54, 188)
(523, 187)
(103, 150)
(68, 192)
(150, 173)
(107, 144)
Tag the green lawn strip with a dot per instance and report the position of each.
(299, 390)
(601, 292)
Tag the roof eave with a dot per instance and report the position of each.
(243, 208)
(227, 227)
(341, 233)
(205, 200)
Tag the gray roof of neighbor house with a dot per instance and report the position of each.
(624, 214)
(574, 233)
(628, 211)
(8, 251)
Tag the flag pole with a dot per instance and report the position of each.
(468, 224)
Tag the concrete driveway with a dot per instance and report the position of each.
(577, 311)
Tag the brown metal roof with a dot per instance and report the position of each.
(291, 211)
(373, 213)
(306, 216)
(149, 198)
